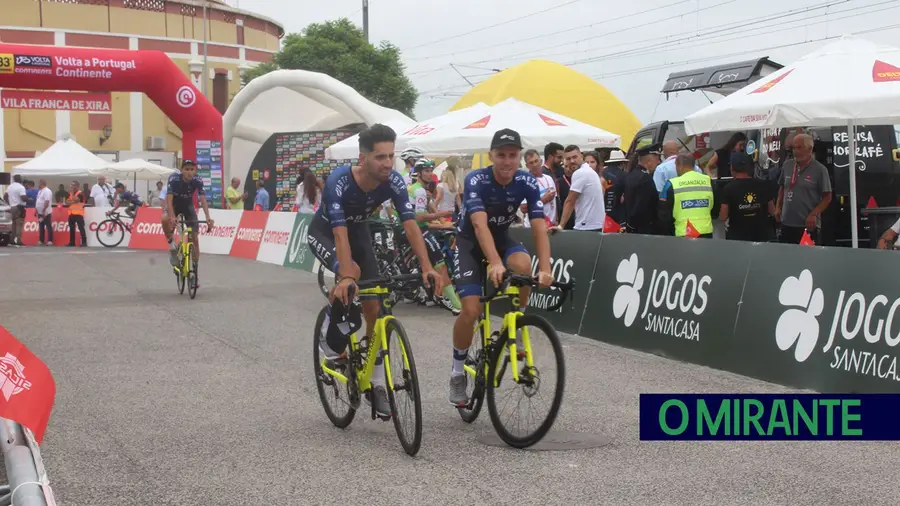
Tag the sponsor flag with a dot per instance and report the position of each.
(690, 231)
(806, 240)
(27, 389)
(872, 203)
(610, 226)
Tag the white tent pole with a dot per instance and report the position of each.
(854, 220)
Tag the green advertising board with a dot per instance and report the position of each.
(298, 254)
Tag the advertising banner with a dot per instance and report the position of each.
(297, 254)
(249, 234)
(147, 231)
(220, 239)
(572, 256)
(276, 238)
(92, 218)
(665, 295)
(59, 222)
(821, 318)
(56, 100)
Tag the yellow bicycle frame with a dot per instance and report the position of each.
(377, 344)
(509, 323)
(185, 246)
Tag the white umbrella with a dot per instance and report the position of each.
(464, 136)
(64, 158)
(136, 169)
(847, 83)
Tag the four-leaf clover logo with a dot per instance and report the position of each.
(627, 299)
(799, 325)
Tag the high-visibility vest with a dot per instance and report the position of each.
(76, 208)
(693, 201)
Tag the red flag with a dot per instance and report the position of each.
(257, 207)
(690, 231)
(871, 204)
(610, 226)
(27, 389)
(806, 240)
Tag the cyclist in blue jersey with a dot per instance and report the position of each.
(490, 200)
(126, 197)
(180, 201)
(340, 238)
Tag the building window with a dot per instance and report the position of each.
(220, 90)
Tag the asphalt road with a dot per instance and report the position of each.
(167, 401)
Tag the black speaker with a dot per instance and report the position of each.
(5, 178)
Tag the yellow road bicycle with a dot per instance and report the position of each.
(512, 349)
(346, 380)
(186, 269)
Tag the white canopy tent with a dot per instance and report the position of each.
(847, 83)
(64, 158)
(470, 131)
(134, 169)
(407, 131)
(292, 101)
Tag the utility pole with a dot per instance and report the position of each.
(366, 18)
(205, 77)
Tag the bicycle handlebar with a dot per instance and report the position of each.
(522, 280)
(392, 282)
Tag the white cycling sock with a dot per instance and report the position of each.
(459, 360)
(378, 373)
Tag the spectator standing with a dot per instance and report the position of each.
(101, 194)
(261, 202)
(687, 198)
(721, 159)
(75, 202)
(43, 209)
(804, 194)
(553, 166)
(547, 186)
(667, 170)
(234, 199)
(16, 197)
(641, 198)
(312, 195)
(572, 160)
(31, 194)
(747, 203)
(585, 198)
(447, 197)
(614, 174)
(61, 194)
(154, 196)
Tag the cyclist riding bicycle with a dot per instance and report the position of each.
(180, 201)
(126, 197)
(340, 238)
(490, 200)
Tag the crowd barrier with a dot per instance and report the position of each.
(826, 319)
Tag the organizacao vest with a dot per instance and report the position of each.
(693, 201)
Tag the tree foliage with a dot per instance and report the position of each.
(339, 49)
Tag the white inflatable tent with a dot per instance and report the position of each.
(292, 101)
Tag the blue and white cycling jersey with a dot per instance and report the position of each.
(131, 198)
(344, 202)
(483, 193)
(183, 191)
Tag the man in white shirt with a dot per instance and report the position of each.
(101, 193)
(585, 197)
(15, 197)
(546, 185)
(43, 208)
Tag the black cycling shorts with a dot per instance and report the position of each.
(469, 262)
(185, 209)
(321, 242)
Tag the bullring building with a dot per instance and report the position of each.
(237, 40)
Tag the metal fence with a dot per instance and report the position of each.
(28, 481)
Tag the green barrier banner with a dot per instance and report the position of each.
(572, 256)
(671, 296)
(298, 255)
(821, 318)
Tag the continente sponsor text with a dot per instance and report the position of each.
(149, 228)
(219, 232)
(276, 237)
(250, 234)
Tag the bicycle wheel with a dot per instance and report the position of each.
(113, 235)
(532, 380)
(324, 286)
(406, 391)
(475, 365)
(193, 280)
(327, 384)
(180, 277)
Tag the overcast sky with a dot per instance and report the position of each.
(629, 47)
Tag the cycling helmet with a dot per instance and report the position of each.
(423, 164)
(411, 154)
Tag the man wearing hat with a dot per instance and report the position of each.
(641, 197)
(490, 199)
(614, 173)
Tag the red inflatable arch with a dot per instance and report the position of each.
(90, 69)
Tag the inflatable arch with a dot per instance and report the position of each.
(292, 101)
(90, 69)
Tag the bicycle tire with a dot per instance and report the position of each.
(338, 421)
(114, 226)
(323, 286)
(193, 279)
(529, 320)
(181, 279)
(411, 380)
(476, 400)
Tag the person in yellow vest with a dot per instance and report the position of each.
(75, 203)
(687, 198)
